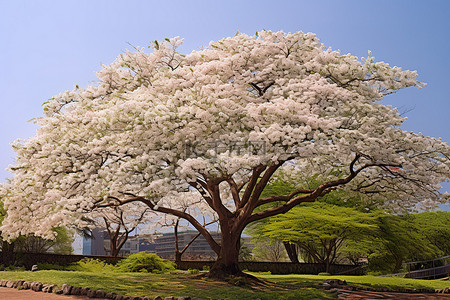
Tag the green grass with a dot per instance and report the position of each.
(149, 284)
(362, 281)
(275, 286)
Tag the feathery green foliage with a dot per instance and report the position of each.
(144, 262)
(435, 226)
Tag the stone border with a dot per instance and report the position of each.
(333, 285)
(67, 289)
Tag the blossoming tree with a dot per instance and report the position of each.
(221, 121)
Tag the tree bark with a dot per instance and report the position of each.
(178, 255)
(177, 249)
(398, 265)
(113, 248)
(327, 265)
(291, 251)
(227, 264)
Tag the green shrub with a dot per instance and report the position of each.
(144, 261)
(91, 265)
(261, 273)
(206, 268)
(193, 271)
(375, 273)
(15, 268)
(12, 268)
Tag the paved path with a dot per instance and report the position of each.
(368, 295)
(15, 294)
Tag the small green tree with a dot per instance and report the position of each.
(400, 239)
(321, 231)
(435, 227)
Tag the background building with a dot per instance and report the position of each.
(198, 250)
(134, 244)
(94, 245)
(163, 245)
(98, 243)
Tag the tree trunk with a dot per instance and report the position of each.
(178, 257)
(177, 247)
(113, 248)
(227, 264)
(327, 266)
(398, 265)
(328, 248)
(116, 243)
(291, 251)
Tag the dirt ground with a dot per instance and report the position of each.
(368, 295)
(14, 294)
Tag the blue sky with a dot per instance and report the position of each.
(48, 47)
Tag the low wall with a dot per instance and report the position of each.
(280, 267)
(29, 259)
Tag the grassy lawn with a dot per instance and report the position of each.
(148, 284)
(362, 281)
(276, 287)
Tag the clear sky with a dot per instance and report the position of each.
(48, 47)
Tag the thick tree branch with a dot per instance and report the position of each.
(284, 198)
(201, 188)
(251, 184)
(218, 207)
(234, 191)
(318, 192)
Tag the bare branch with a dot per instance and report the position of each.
(181, 214)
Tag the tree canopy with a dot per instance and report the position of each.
(321, 231)
(435, 226)
(399, 240)
(221, 122)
